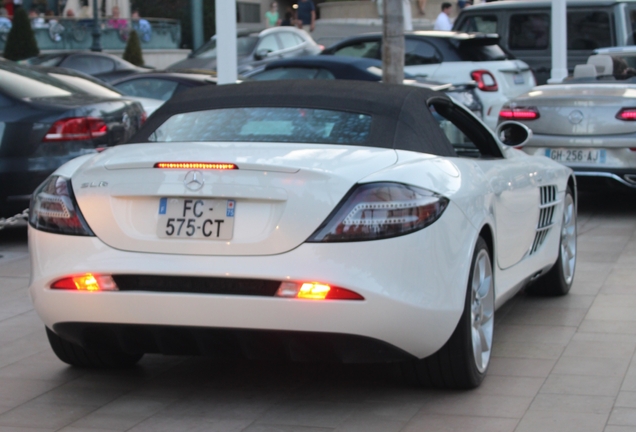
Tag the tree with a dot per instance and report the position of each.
(133, 53)
(21, 43)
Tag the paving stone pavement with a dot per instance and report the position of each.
(559, 364)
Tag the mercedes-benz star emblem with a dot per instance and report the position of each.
(193, 180)
(575, 117)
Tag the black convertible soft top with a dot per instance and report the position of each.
(401, 118)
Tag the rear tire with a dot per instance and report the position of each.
(463, 361)
(75, 355)
(558, 280)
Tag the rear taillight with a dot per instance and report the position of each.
(76, 129)
(485, 80)
(627, 114)
(315, 291)
(86, 282)
(519, 113)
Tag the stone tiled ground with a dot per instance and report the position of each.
(560, 364)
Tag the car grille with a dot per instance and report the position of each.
(197, 285)
(546, 216)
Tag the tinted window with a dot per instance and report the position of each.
(529, 31)
(268, 43)
(480, 23)
(288, 40)
(419, 53)
(292, 73)
(369, 49)
(461, 143)
(303, 125)
(24, 83)
(588, 30)
(244, 46)
(91, 65)
(153, 88)
(468, 52)
(87, 85)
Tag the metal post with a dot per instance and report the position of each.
(196, 11)
(97, 30)
(559, 42)
(392, 42)
(226, 61)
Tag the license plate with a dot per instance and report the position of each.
(196, 218)
(576, 156)
(518, 79)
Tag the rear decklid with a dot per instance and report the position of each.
(279, 194)
(580, 109)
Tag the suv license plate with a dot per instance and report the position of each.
(518, 79)
(196, 218)
(592, 156)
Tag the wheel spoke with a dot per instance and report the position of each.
(485, 345)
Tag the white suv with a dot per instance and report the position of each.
(456, 58)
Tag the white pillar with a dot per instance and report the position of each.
(226, 62)
(559, 42)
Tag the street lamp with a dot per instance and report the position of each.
(97, 32)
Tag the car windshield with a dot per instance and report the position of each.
(24, 83)
(298, 125)
(45, 60)
(244, 46)
(88, 86)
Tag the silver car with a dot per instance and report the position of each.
(587, 123)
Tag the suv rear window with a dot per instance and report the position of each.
(480, 23)
(589, 30)
(256, 124)
(529, 31)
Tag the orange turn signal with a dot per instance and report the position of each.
(86, 282)
(196, 165)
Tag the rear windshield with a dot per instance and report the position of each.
(298, 125)
(244, 46)
(24, 83)
(88, 86)
(470, 52)
(292, 73)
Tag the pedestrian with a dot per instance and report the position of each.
(5, 22)
(271, 16)
(36, 20)
(307, 15)
(116, 22)
(443, 21)
(289, 20)
(421, 6)
(141, 26)
(70, 13)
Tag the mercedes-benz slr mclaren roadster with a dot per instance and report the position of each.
(311, 221)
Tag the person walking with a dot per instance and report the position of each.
(271, 16)
(443, 21)
(307, 15)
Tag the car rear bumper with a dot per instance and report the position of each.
(413, 286)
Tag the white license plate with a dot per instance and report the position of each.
(196, 218)
(518, 79)
(592, 156)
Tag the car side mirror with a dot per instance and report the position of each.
(261, 54)
(513, 134)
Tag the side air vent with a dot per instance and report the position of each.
(546, 216)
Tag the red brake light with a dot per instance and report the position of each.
(76, 129)
(519, 113)
(485, 80)
(627, 114)
(196, 165)
(315, 291)
(86, 282)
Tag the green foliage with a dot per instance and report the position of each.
(21, 43)
(133, 53)
(178, 9)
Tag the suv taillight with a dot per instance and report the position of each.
(76, 129)
(485, 80)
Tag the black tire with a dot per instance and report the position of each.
(454, 366)
(75, 355)
(556, 282)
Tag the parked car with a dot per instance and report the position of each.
(456, 58)
(162, 85)
(361, 69)
(524, 27)
(45, 123)
(587, 123)
(303, 220)
(106, 67)
(95, 86)
(255, 49)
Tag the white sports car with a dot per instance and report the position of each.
(349, 221)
